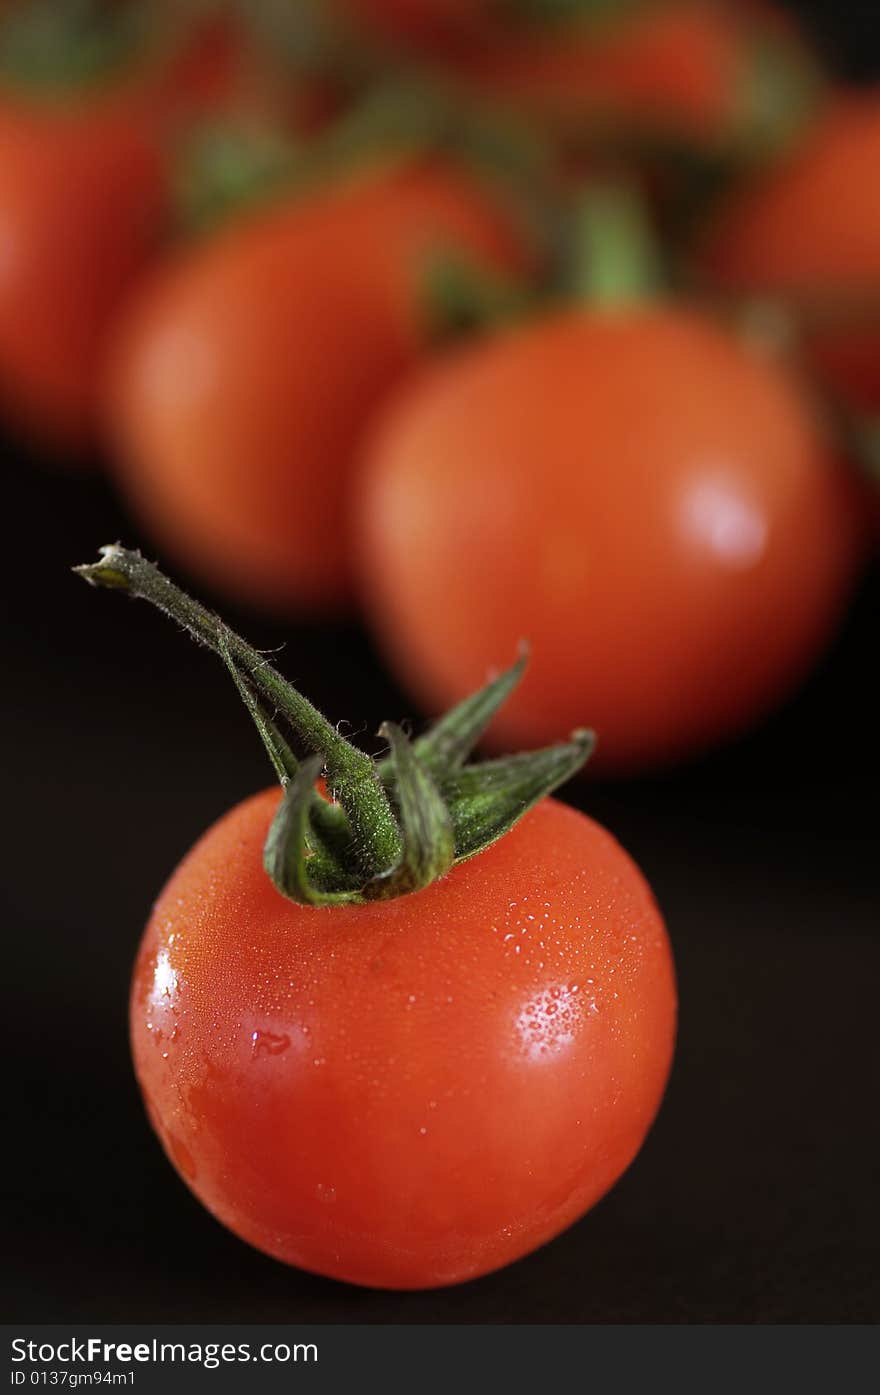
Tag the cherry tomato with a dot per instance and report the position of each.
(634, 492)
(85, 204)
(82, 204)
(701, 73)
(248, 373)
(810, 231)
(414, 1092)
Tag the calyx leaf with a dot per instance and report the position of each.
(486, 800)
(448, 743)
(294, 860)
(428, 843)
(53, 50)
(390, 827)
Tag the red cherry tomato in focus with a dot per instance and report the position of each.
(414, 1092)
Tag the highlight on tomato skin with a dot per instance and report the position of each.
(653, 503)
(412, 1093)
(243, 378)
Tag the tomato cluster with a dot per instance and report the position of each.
(652, 494)
(455, 315)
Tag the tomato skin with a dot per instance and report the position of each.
(638, 496)
(82, 203)
(815, 218)
(86, 201)
(413, 1093)
(685, 70)
(247, 374)
(437, 25)
(811, 228)
(212, 67)
(677, 64)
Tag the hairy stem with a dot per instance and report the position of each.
(351, 774)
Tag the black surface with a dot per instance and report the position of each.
(755, 1198)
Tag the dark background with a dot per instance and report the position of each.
(755, 1198)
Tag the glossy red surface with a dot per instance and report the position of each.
(408, 1094)
(645, 501)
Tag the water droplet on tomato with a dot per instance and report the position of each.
(272, 1043)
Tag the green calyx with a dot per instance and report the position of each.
(460, 297)
(311, 37)
(55, 48)
(230, 166)
(390, 826)
(548, 13)
(780, 89)
(857, 431)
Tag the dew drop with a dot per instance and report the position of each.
(272, 1043)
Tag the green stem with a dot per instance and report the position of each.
(614, 260)
(230, 166)
(543, 14)
(398, 824)
(400, 104)
(55, 49)
(778, 93)
(351, 775)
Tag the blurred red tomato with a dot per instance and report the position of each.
(638, 496)
(247, 374)
(433, 23)
(84, 200)
(208, 64)
(701, 72)
(810, 232)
